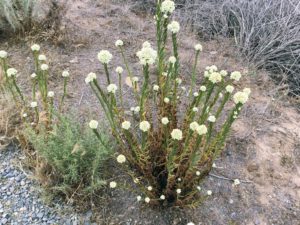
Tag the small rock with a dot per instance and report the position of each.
(252, 167)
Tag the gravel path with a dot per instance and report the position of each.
(20, 202)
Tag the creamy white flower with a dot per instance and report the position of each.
(165, 74)
(104, 56)
(198, 47)
(147, 55)
(179, 179)
(137, 109)
(213, 68)
(195, 109)
(113, 184)
(35, 48)
(172, 59)
(176, 134)
(145, 126)
(206, 74)
(11, 72)
(155, 87)
(126, 125)
(149, 188)
(165, 16)
(196, 94)
(209, 192)
(93, 124)
(240, 97)
(247, 91)
(65, 73)
(136, 180)
(235, 75)
(119, 70)
(236, 182)
(229, 88)
(214, 165)
(90, 77)
(135, 79)
(42, 58)
(33, 104)
(50, 94)
(33, 75)
(44, 67)
(24, 115)
(198, 173)
(223, 73)
(178, 191)
(121, 159)
(167, 6)
(201, 129)
(132, 109)
(202, 88)
(138, 198)
(3, 54)
(178, 81)
(215, 77)
(119, 43)
(190, 223)
(183, 88)
(174, 27)
(194, 125)
(198, 188)
(112, 88)
(166, 100)
(162, 197)
(165, 120)
(212, 119)
(147, 199)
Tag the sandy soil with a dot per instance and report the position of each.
(264, 149)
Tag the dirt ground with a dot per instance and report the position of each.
(264, 148)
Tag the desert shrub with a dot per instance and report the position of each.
(172, 136)
(72, 158)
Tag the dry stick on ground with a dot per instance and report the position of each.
(230, 179)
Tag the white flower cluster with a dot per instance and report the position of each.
(11, 72)
(211, 119)
(44, 67)
(155, 87)
(174, 27)
(121, 159)
(119, 70)
(167, 6)
(235, 76)
(229, 88)
(50, 94)
(33, 104)
(165, 120)
(93, 124)
(145, 126)
(119, 43)
(3, 54)
(215, 77)
(241, 96)
(176, 134)
(65, 73)
(90, 77)
(35, 48)
(112, 88)
(104, 56)
(147, 54)
(198, 47)
(126, 125)
(200, 129)
(172, 59)
(42, 58)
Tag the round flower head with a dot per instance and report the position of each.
(147, 199)
(183, 88)
(195, 109)
(50, 94)
(138, 198)
(209, 192)
(167, 6)
(198, 188)
(11, 72)
(145, 126)
(90, 77)
(33, 75)
(166, 100)
(149, 188)
(212, 119)
(33, 104)
(194, 125)
(176, 134)
(178, 81)
(147, 55)
(190, 223)
(119, 43)
(202, 88)
(235, 76)
(201, 129)
(113, 184)
(240, 97)
(119, 70)
(172, 59)
(24, 115)
(165, 74)
(236, 182)
(247, 91)
(112, 88)
(44, 67)
(215, 77)
(196, 94)
(213, 68)
(198, 173)
(155, 87)
(3, 54)
(35, 48)
(165, 120)
(65, 73)
(223, 73)
(135, 79)
(93, 124)
(178, 191)
(162, 197)
(174, 27)
(121, 159)
(42, 58)
(126, 125)
(206, 74)
(198, 47)
(104, 56)
(137, 109)
(229, 88)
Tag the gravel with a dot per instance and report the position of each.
(20, 197)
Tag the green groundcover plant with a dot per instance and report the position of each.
(168, 151)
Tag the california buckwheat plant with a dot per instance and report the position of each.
(167, 151)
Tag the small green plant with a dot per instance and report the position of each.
(168, 151)
(74, 158)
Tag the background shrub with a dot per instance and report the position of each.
(72, 158)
